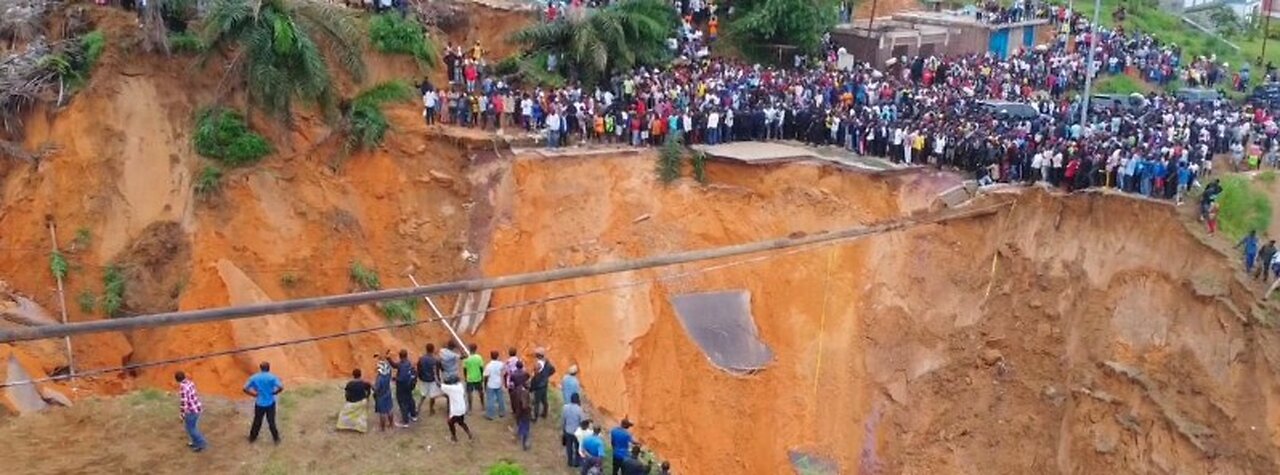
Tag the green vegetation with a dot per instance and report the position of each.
(83, 238)
(601, 41)
(404, 310)
(1146, 16)
(1120, 84)
(759, 27)
(1243, 208)
(699, 162)
(1267, 177)
(366, 124)
(185, 43)
(529, 69)
(289, 280)
(58, 265)
(394, 34)
(94, 44)
(365, 277)
(87, 301)
(505, 467)
(209, 182)
(73, 64)
(223, 135)
(669, 159)
(113, 284)
(278, 53)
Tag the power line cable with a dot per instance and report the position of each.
(353, 299)
(511, 306)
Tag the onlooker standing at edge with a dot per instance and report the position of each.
(592, 451)
(449, 359)
(571, 417)
(633, 465)
(354, 414)
(570, 386)
(382, 395)
(457, 397)
(620, 439)
(1250, 244)
(473, 365)
(494, 376)
(543, 370)
(189, 408)
(405, 380)
(522, 409)
(1267, 252)
(264, 387)
(429, 374)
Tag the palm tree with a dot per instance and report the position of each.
(279, 56)
(597, 42)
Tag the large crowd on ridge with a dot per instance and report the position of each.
(921, 110)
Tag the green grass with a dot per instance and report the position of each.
(289, 280)
(94, 44)
(222, 134)
(113, 283)
(1242, 208)
(699, 162)
(209, 182)
(1120, 84)
(669, 159)
(58, 265)
(365, 277)
(1267, 177)
(393, 34)
(505, 467)
(87, 301)
(84, 237)
(185, 43)
(403, 310)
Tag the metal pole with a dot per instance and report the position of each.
(1266, 30)
(443, 321)
(1088, 74)
(187, 317)
(871, 20)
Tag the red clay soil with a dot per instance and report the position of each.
(885, 8)
(912, 352)
(1082, 334)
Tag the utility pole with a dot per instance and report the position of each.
(1266, 30)
(871, 20)
(1089, 69)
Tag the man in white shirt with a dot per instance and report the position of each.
(713, 127)
(454, 391)
(553, 129)
(494, 377)
(430, 101)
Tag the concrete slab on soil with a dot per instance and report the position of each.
(770, 152)
(721, 324)
(756, 152)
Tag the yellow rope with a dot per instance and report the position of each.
(822, 322)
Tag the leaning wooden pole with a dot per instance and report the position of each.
(361, 298)
(62, 296)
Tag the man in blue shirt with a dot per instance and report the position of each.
(264, 387)
(569, 386)
(620, 439)
(1250, 244)
(593, 449)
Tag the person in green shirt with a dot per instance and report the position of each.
(473, 366)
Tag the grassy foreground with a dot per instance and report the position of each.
(141, 433)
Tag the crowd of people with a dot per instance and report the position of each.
(402, 387)
(922, 110)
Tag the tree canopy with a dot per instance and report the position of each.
(278, 49)
(594, 43)
(760, 24)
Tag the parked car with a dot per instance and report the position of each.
(1266, 95)
(1006, 110)
(1122, 102)
(1197, 95)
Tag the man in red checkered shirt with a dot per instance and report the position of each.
(189, 407)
